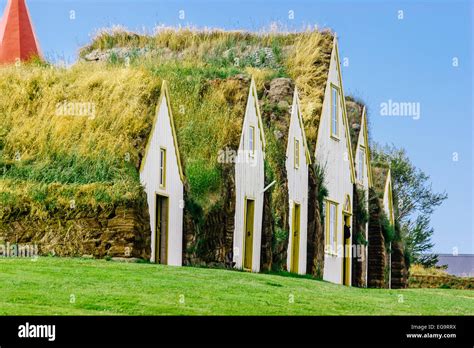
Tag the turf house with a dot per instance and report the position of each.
(186, 147)
(298, 160)
(163, 180)
(333, 153)
(249, 187)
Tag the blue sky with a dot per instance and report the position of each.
(403, 60)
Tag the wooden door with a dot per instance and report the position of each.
(249, 222)
(295, 247)
(161, 230)
(346, 262)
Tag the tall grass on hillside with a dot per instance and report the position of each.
(303, 56)
(307, 64)
(208, 107)
(208, 73)
(123, 99)
(417, 269)
(46, 143)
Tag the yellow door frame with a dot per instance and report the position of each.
(346, 262)
(295, 242)
(244, 245)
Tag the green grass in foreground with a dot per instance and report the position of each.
(47, 285)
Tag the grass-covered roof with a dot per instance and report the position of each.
(355, 113)
(379, 174)
(303, 56)
(354, 110)
(48, 158)
(72, 135)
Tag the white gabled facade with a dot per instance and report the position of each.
(162, 178)
(363, 171)
(334, 154)
(249, 186)
(297, 162)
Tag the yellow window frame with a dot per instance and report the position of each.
(335, 132)
(328, 243)
(363, 153)
(252, 133)
(297, 153)
(163, 157)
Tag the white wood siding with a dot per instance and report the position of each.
(334, 157)
(249, 183)
(162, 136)
(297, 185)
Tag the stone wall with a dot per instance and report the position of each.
(208, 237)
(399, 279)
(436, 281)
(359, 262)
(377, 254)
(268, 231)
(118, 232)
(315, 252)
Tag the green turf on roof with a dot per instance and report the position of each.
(354, 110)
(303, 56)
(81, 126)
(379, 175)
(208, 73)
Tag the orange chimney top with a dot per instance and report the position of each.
(17, 36)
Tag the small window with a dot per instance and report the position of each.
(361, 164)
(162, 167)
(252, 139)
(347, 204)
(334, 111)
(331, 226)
(297, 153)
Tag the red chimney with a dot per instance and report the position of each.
(17, 36)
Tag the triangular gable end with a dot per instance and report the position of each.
(164, 97)
(253, 93)
(344, 111)
(296, 103)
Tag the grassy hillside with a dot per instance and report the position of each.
(50, 156)
(50, 286)
(52, 152)
(72, 139)
(303, 56)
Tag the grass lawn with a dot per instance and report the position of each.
(59, 286)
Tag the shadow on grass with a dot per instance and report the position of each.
(291, 275)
